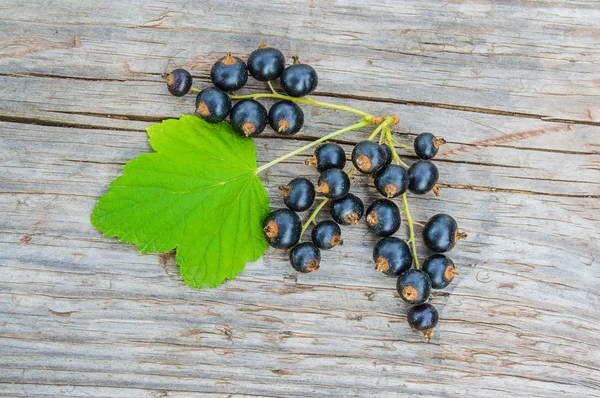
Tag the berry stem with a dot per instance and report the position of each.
(271, 87)
(194, 89)
(390, 141)
(313, 216)
(355, 126)
(411, 230)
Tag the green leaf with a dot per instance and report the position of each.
(198, 193)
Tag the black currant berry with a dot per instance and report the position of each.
(388, 154)
(286, 118)
(368, 157)
(333, 184)
(422, 176)
(414, 286)
(440, 233)
(326, 235)
(305, 257)
(266, 63)
(383, 217)
(298, 80)
(348, 210)
(282, 228)
(441, 270)
(248, 117)
(299, 194)
(423, 317)
(427, 145)
(391, 181)
(213, 105)
(229, 73)
(392, 256)
(327, 156)
(179, 82)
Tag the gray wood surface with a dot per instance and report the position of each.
(513, 86)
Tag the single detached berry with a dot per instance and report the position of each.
(422, 176)
(348, 210)
(333, 184)
(440, 233)
(298, 80)
(248, 117)
(392, 256)
(388, 154)
(327, 156)
(266, 63)
(286, 118)
(179, 82)
(423, 317)
(440, 269)
(326, 235)
(391, 181)
(213, 105)
(229, 73)
(305, 257)
(282, 228)
(299, 194)
(383, 217)
(427, 145)
(368, 157)
(414, 286)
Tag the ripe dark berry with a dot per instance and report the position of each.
(440, 233)
(326, 235)
(286, 118)
(282, 228)
(266, 63)
(440, 269)
(424, 318)
(414, 286)
(368, 157)
(427, 145)
(298, 80)
(179, 82)
(348, 210)
(213, 105)
(388, 154)
(299, 194)
(392, 256)
(328, 156)
(305, 257)
(229, 73)
(422, 176)
(383, 217)
(391, 181)
(333, 184)
(248, 117)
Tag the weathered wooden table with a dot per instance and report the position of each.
(515, 89)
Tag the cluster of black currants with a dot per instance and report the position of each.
(248, 116)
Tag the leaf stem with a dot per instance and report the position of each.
(411, 230)
(313, 216)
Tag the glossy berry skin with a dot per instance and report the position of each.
(368, 157)
(326, 235)
(440, 269)
(383, 217)
(333, 184)
(388, 154)
(266, 63)
(422, 177)
(213, 105)
(328, 156)
(229, 73)
(305, 257)
(440, 233)
(299, 194)
(299, 80)
(179, 82)
(286, 118)
(282, 228)
(414, 286)
(427, 145)
(348, 210)
(391, 181)
(392, 256)
(248, 118)
(423, 317)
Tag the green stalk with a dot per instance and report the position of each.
(313, 216)
(411, 230)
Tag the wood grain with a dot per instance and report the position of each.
(513, 88)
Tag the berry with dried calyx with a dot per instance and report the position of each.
(179, 82)
(326, 235)
(266, 63)
(286, 118)
(422, 176)
(423, 318)
(229, 73)
(327, 156)
(333, 184)
(299, 194)
(392, 256)
(441, 270)
(441, 233)
(427, 145)
(368, 157)
(391, 181)
(414, 286)
(282, 228)
(348, 210)
(298, 80)
(248, 118)
(213, 105)
(305, 257)
(383, 217)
